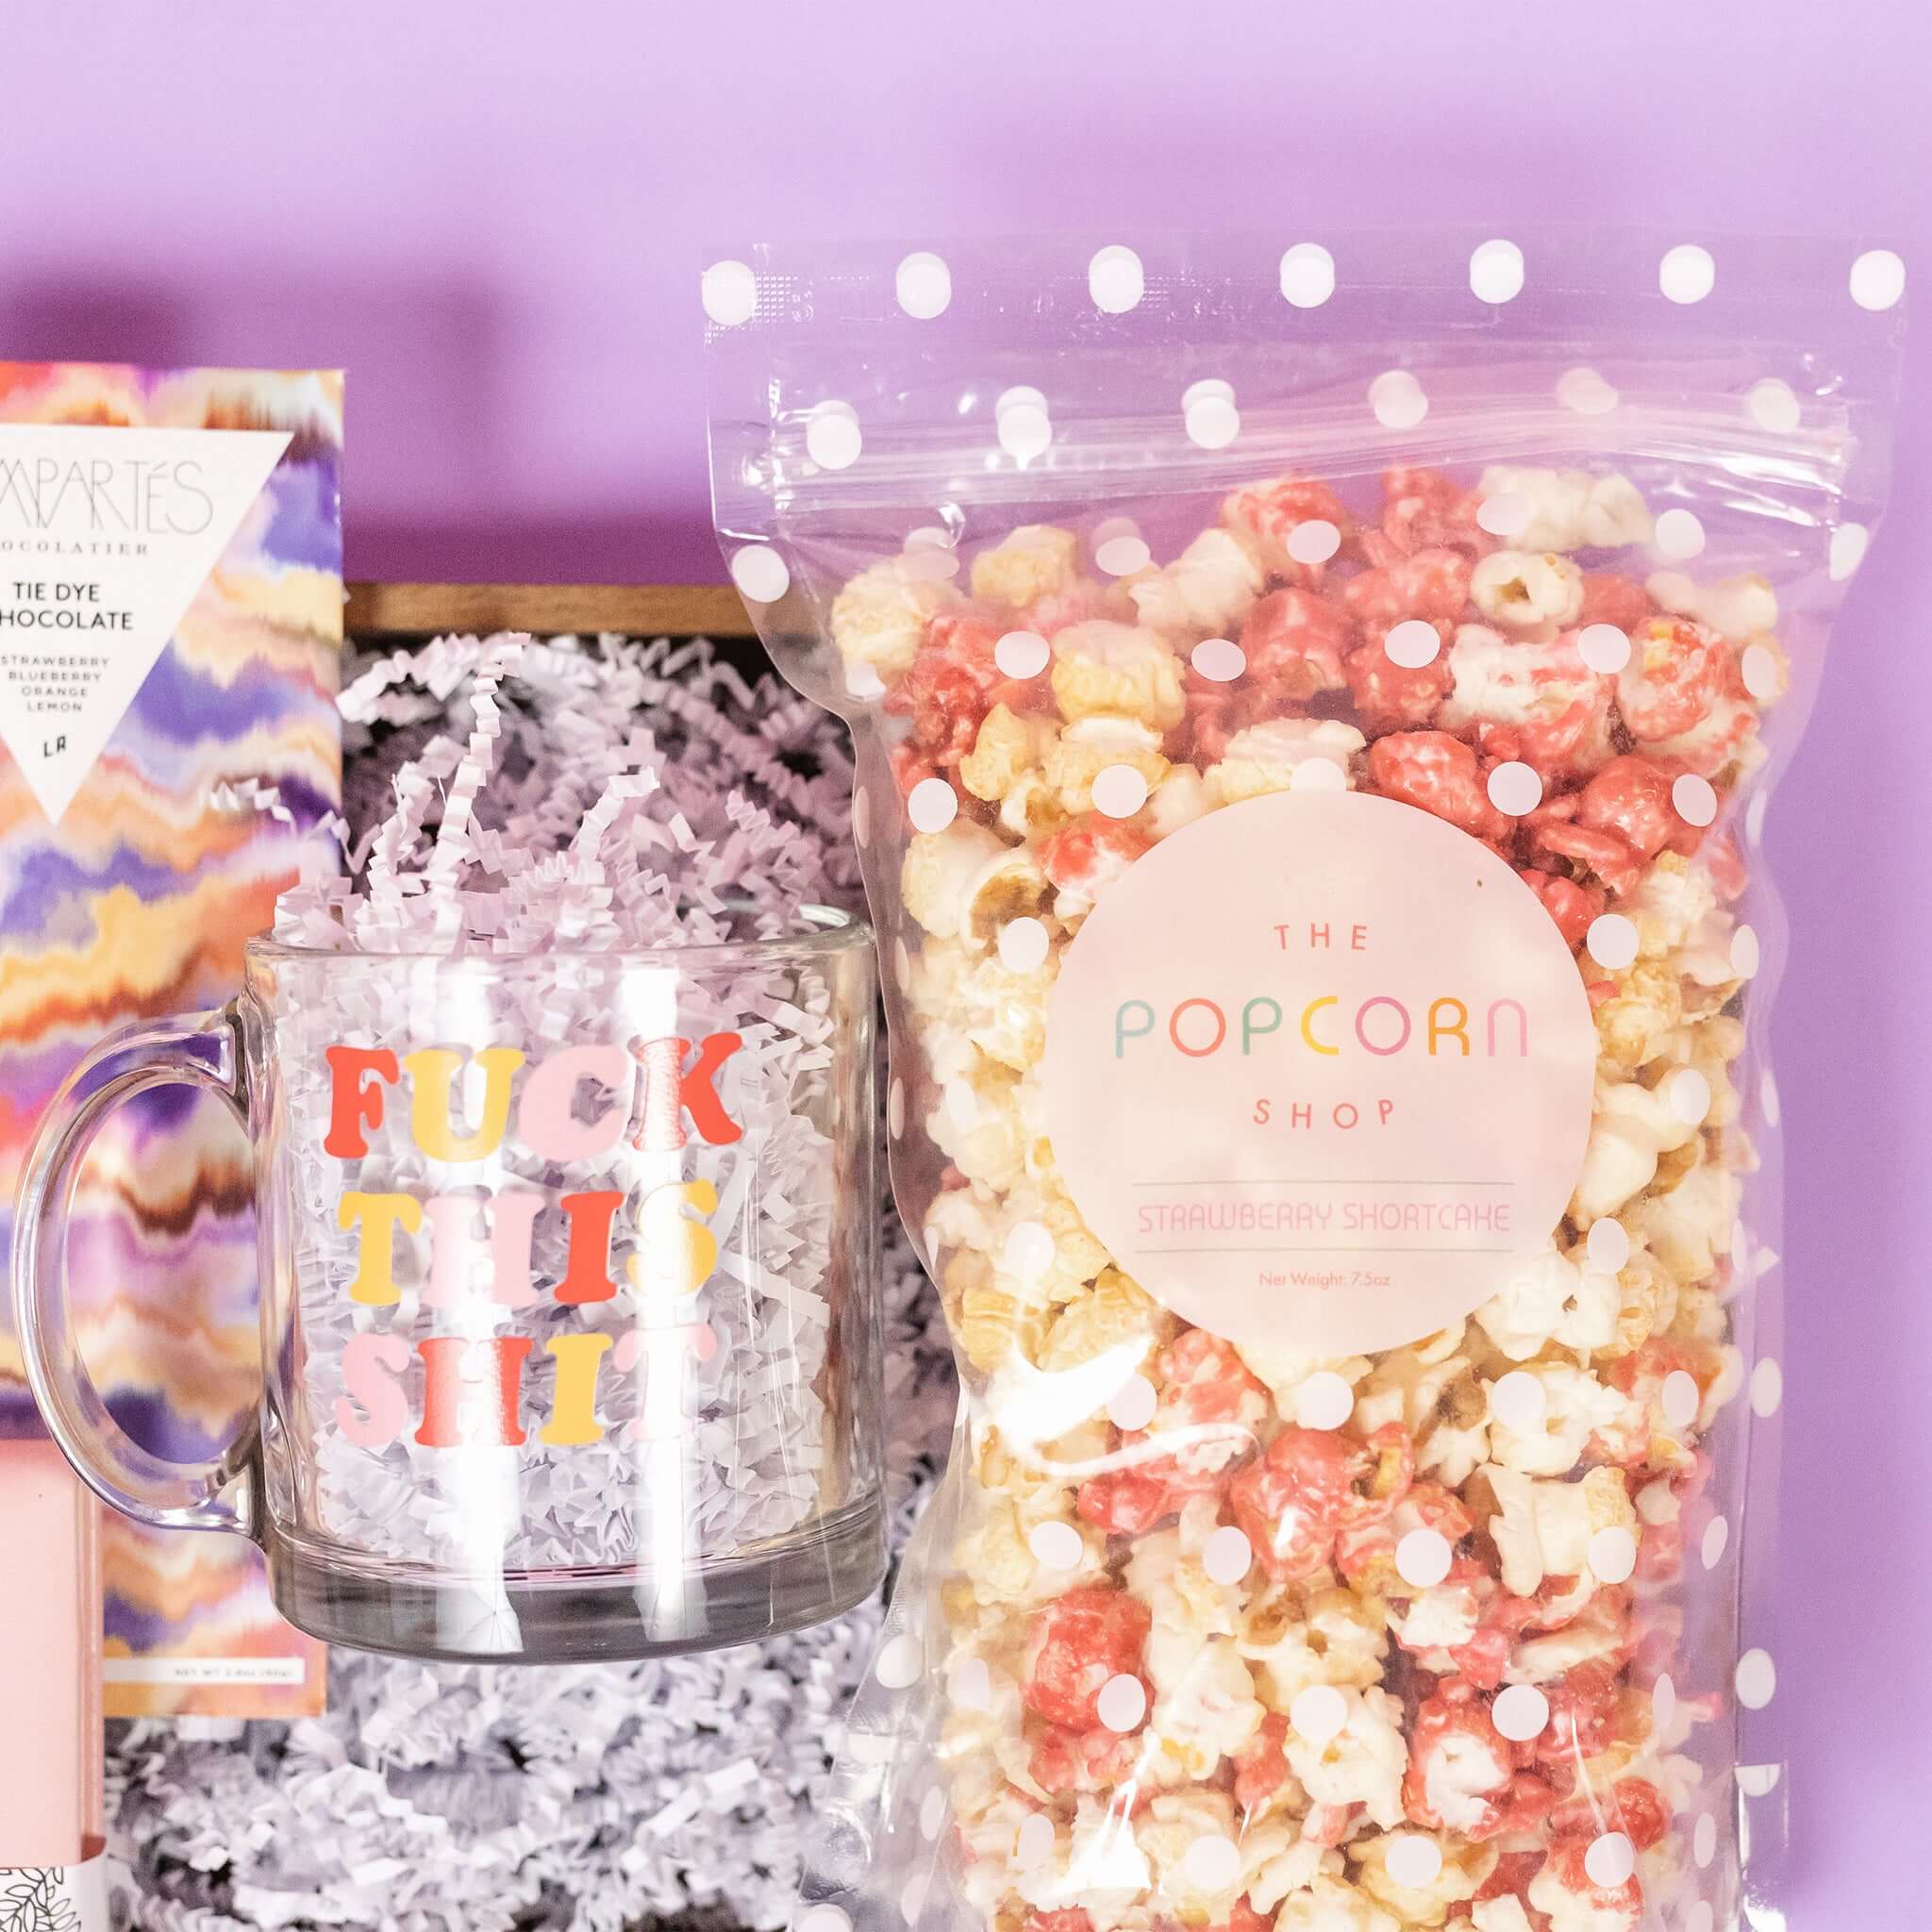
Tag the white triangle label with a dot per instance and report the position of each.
(106, 535)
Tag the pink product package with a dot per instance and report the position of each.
(170, 755)
(1316, 704)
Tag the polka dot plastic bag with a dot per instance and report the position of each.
(1315, 708)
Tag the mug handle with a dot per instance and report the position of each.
(202, 1050)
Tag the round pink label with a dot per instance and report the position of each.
(1319, 1072)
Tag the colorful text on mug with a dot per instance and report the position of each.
(473, 1386)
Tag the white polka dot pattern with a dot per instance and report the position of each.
(1773, 406)
(1307, 275)
(1604, 648)
(1506, 515)
(1314, 541)
(1319, 1714)
(1022, 654)
(1121, 556)
(1515, 788)
(1035, 1841)
(1611, 940)
(932, 1814)
(1414, 1860)
(1397, 399)
(1116, 280)
(1679, 535)
(1680, 1399)
(1607, 1245)
(832, 437)
(932, 806)
(1220, 660)
(1412, 644)
(1119, 792)
(1687, 273)
(1583, 392)
(1212, 1863)
(1717, 1537)
(729, 292)
(1757, 1679)
(1518, 1402)
(1495, 272)
(1877, 280)
(1024, 945)
(1324, 1400)
(901, 1662)
(1226, 1555)
(1693, 799)
(1610, 1860)
(924, 286)
(1423, 1558)
(1613, 1554)
(1121, 1703)
(759, 573)
(1055, 1545)
(1521, 1712)
(1028, 1251)
(1133, 1403)
(1689, 1095)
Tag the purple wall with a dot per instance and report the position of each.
(498, 229)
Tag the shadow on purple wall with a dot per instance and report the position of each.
(430, 395)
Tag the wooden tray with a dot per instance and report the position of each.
(401, 611)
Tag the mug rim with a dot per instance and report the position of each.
(823, 929)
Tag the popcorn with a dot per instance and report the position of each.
(1632, 1128)
(1739, 609)
(1102, 668)
(1266, 757)
(1556, 708)
(1006, 749)
(1207, 590)
(1570, 509)
(1363, 1764)
(940, 871)
(1282, 1619)
(1094, 744)
(1035, 561)
(1332, 1905)
(1525, 592)
(1552, 1300)
(879, 618)
(1544, 1528)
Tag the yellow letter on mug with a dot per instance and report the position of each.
(432, 1070)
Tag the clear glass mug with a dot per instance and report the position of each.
(570, 1317)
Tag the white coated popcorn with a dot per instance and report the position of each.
(1525, 590)
(938, 876)
(1180, 798)
(1570, 509)
(1266, 757)
(1364, 1765)
(1739, 608)
(1499, 1915)
(1631, 1127)
(1118, 670)
(880, 617)
(1544, 1528)
(1207, 590)
(1551, 1299)
(1332, 1905)
(1575, 1406)
(1169, 1828)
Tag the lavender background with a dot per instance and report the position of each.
(494, 218)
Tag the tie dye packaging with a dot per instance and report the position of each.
(1316, 704)
(170, 624)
